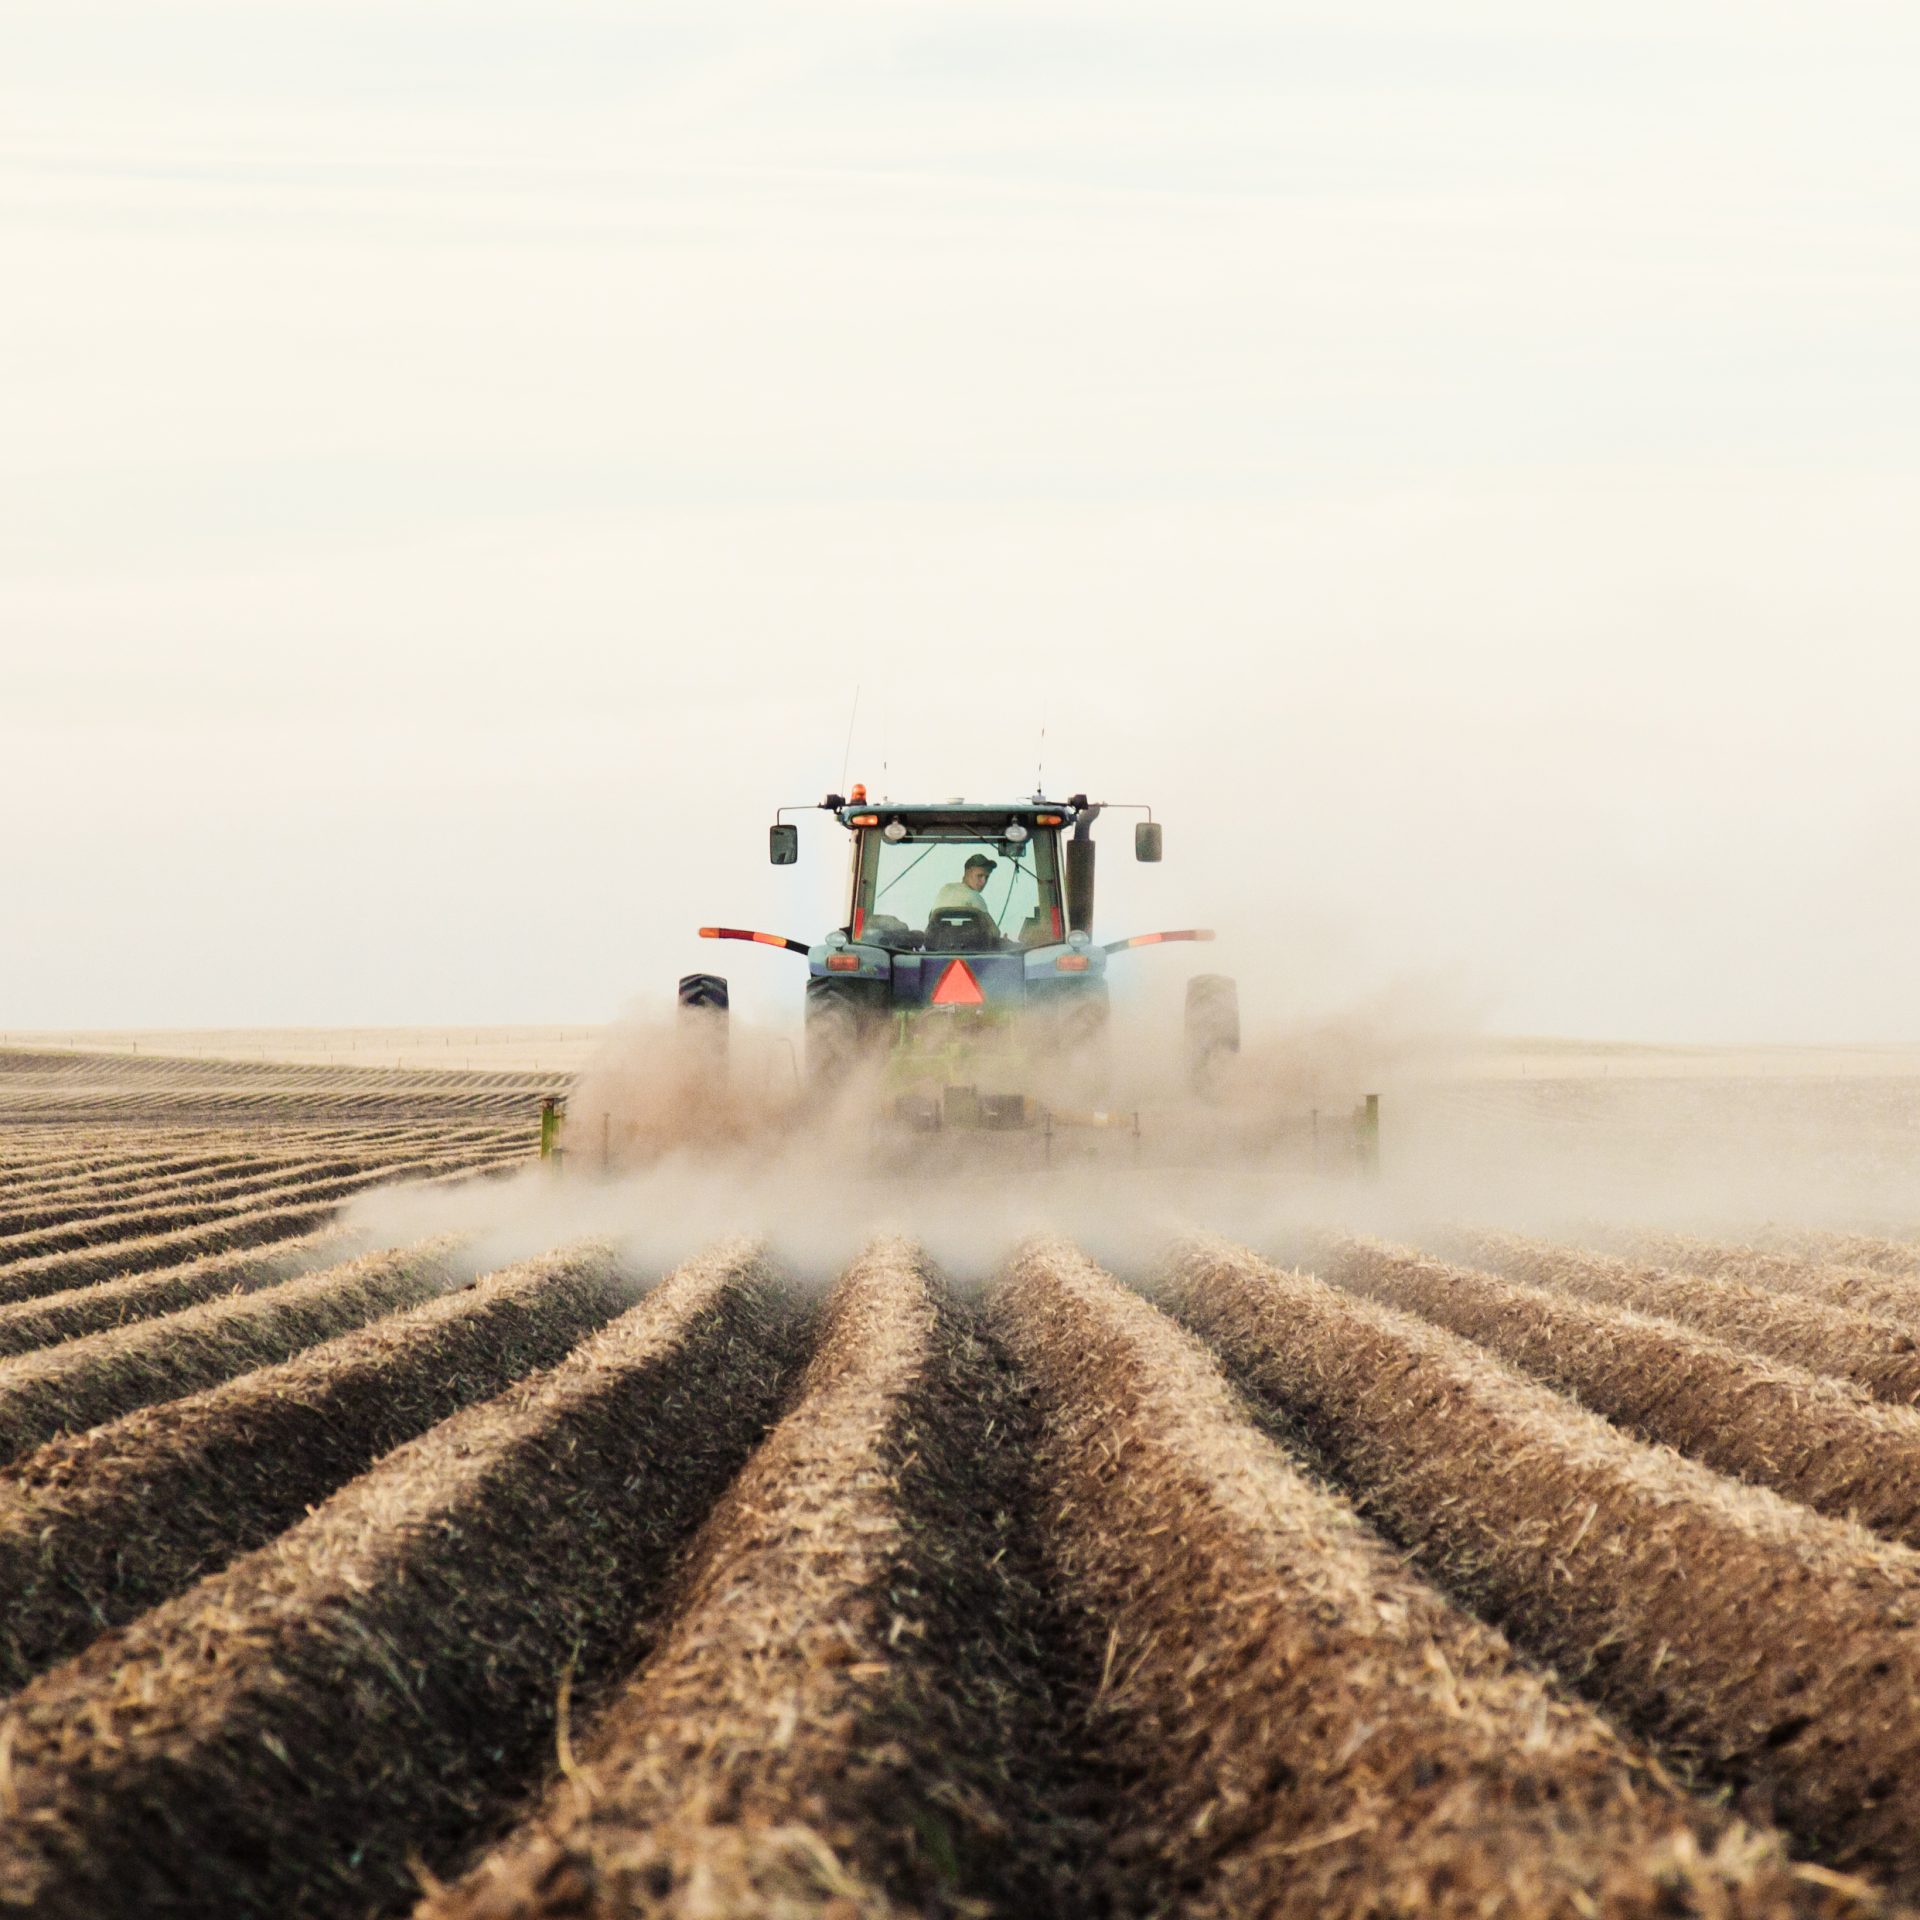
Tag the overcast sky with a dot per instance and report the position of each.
(1462, 464)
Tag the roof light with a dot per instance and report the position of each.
(958, 987)
(858, 795)
(864, 820)
(894, 830)
(1016, 832)
(1046, 820)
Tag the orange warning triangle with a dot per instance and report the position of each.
(958, 987)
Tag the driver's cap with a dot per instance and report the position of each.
(976, 860)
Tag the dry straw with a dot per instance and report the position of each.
(293, 1734)
(29, 1324)
(1313, 1731)
(96, 1527)
(1859, 1289)
(57, 1272)
(1821, 1440)
(1774, 1648)
(797, 1743)
(1878, 1354)
(37, 1201)
(1899, 1257)
(195, 1210)
(77, 1214)
(80, 1383)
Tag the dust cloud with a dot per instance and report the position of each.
(677, 1139)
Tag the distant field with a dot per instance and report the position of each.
(546, 1049)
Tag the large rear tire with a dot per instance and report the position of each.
(1212, 1027)
(706, 990)
(705, 1019)
(842, 1029)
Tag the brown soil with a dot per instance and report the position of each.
(1880, 1355)
(1313, 1731)
(57, 1272)
(30, 1324)
(1821, 1440)
(75, 1207)
(99, 1526)
(195, 1209)
(80, 1383)
(289, 1735)
(1862, 1288)
(1770, 1648)
(1846, 1249)
(844, 1714)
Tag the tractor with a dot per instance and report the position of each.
(965, 979)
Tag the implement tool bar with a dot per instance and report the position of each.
(1154, 939)
(745, 933)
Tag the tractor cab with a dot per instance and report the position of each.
(952, 880)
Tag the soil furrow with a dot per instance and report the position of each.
(81, 1383)
(290, 1736)
(849, 1700)
(1897, 1257)
(1877, 1354)
(28, 1325)
(1859, 1289)
(296, 1171)
(1771, 1648)
(97, 1527)
(1308, 1729)
(1821, 1440)
(195, 1210)
(57, 1272)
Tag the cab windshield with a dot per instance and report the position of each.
(903, 886)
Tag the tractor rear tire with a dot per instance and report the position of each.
(842, 1028)
(1212, 1028)
(705, 1020)
(704, 990)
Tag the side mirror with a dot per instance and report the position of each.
(783, 844)
(1146, 840)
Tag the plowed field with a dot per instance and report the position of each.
(492, 1569)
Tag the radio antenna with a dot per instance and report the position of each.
(846, 759)
(1040, 759)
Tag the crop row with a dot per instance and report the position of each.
(97, 1526)
(220, 1175)
(1823, 1441)
(943, 1604)
(294, 1186)
(1879, 1354)
(925, 1603)
(1771, 1646)
(289, 1734)
(251, 1226)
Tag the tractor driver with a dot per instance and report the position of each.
(970, 890)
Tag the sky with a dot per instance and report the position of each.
(462, 468)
